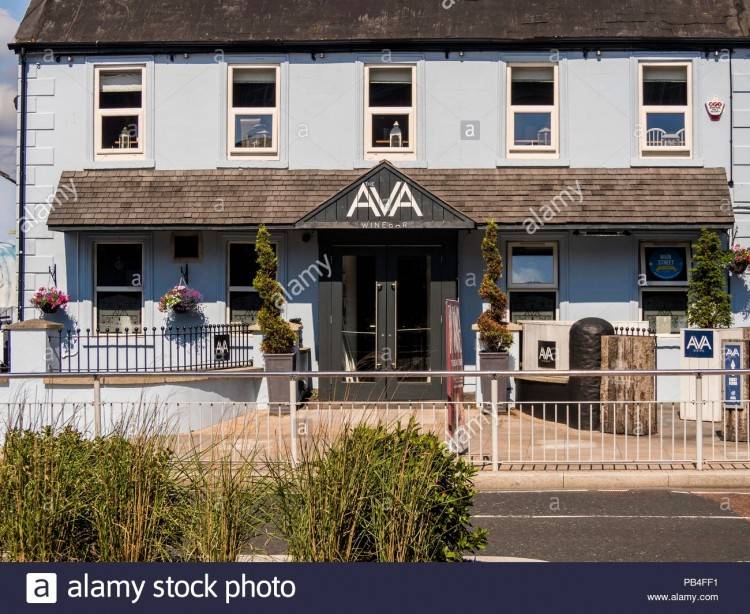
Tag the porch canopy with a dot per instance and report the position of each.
(524, 198)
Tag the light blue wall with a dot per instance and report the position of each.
(322, 127)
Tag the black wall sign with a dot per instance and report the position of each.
(547, 355)
(222, 348)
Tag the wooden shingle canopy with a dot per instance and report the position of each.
(104, 23)
(627, 197)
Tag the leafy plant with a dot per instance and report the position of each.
(49, 300)
(278, 335)
(493, 329)
(44, 507)
(181, 299)
(377, 494)
(709, 304)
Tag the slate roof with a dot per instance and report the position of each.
(247, 197)
(136, 22)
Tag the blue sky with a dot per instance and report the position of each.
(15, 8)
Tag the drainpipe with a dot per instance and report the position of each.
(22, 189)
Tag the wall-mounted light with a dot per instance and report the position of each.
(461, 54)
(599, 54)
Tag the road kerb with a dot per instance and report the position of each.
(602, 480)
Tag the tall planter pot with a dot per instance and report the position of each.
(278, 387)
(494, 361)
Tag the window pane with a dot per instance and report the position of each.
(533, 265)
(120, 90)
(665, 129)
(532, 306)
(120, 132)
(666, 264)
(390, 87)
(118, 310)
(532, 129)
(119, 265)
(242, 264)
(244, 307)
(254, 87)
(666, 312)
(253, 131)
(533, 86)
(385, 129)
(359, 313)
(665, 85)
(186, 246)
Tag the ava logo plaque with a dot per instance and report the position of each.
(368, 198)
(698, 344)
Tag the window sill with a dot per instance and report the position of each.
(117, 164)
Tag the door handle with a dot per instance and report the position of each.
(378, 288)
(394, 361)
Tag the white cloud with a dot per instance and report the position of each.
(8, 88)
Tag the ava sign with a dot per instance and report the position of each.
(368, 198)
(699, 343)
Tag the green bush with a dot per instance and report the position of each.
(278, 335)
(493, 330)
(44, 506)
(709, 303)
(378, 495)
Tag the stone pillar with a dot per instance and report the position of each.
(35, 346)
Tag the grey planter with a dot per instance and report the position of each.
(494, 361)
(278, 387)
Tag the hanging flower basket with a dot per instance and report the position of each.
(181, 300)
(740, 260)
(49, 300)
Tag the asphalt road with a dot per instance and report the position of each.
(616, 526)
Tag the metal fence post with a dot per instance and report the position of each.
(97, 406)
(293, 416)
(495, 426)
(699, 421)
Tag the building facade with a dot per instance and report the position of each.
(375, 140)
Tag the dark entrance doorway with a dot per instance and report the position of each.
(382, 310)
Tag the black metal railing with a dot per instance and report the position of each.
(154, 350)
(634, 331)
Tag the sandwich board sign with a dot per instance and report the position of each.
(698, 343)
(733, 360)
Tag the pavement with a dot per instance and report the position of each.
(616, 525)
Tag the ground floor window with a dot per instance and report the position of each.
(666, 312)
(533, 306)
(243, 299)
(119, 286)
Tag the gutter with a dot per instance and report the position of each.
(21, 249)
(421, 45)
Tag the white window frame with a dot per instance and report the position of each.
(396, 153)
(536, 151)
(257, 153)
(687, 109)
(532, 287)
(102, 153)
(665, 284)
(231, 288)
(130, 289)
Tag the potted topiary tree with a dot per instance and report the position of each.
(709, 305)
(278, 336)
(494, 338)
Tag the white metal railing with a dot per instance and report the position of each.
(605, 434)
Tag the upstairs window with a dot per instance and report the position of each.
(390, 114)
(533, 111)
(253, 111)
(665, 109)
(119, 112)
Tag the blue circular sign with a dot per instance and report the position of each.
(667, 263)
